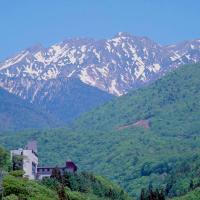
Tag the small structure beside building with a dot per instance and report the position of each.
(30, 163)
(47, 171)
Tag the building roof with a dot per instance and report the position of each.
(69, 165)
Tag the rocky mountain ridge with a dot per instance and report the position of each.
(114, 65)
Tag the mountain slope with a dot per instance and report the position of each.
(137, 139)
(69, 98)
(192, 195)
(178, 91)
(17, 114)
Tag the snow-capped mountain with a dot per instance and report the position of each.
(115, 65)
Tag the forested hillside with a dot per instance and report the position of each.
(165, 104)
(149, 137)
(17, 114)
(192, 195)
(69, 186)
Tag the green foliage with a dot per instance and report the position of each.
(26, 190)
(4, 159)
(184, 177)
(152, 195)
(17, 173)
(19, 188)
(193, 195)
(86, 183)
(11, 197)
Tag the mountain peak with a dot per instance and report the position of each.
(35, 48)
(123, 34)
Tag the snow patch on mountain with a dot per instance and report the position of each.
(86, 78)
(113, 88)
(13, 61)
(29, 69)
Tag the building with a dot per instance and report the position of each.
(29, 159)
(30, 163)
(47, 171)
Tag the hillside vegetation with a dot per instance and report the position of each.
(19, 188)
(192, 195)
(18, 114)
(113, 141)
(70, 186)
(170, 104)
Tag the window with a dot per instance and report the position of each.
(33, 168)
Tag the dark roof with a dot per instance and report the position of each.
(69, 165)
(47, 167)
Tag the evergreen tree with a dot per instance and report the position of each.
(191, 185)
(61, 193)
(142, 195)
(152, 195)
(56, 174)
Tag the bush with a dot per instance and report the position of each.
(11, 197)
(17, 173)
(4, 160)
(25, 189)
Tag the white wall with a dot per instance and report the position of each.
(28, 158)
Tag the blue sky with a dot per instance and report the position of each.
(24, 23)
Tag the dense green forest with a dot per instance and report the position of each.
(70, 186)
(148, 137)
(193, 195)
